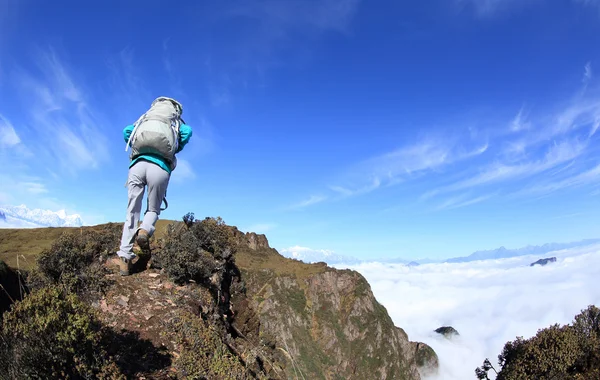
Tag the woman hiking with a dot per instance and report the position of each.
(155, 138)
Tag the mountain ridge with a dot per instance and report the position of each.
(24, 217)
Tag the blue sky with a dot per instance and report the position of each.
(372, 129)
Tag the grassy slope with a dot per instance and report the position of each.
(25, 245)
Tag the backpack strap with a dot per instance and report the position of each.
(132, 136)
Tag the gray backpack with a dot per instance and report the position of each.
(157, 131)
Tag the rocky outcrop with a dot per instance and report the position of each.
(543, 262)
(328, 321)
(426, 359)
(252, 240)
(447, 331)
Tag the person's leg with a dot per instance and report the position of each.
(157, 180)
(135, 189)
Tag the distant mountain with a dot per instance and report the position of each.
(23, 217)
(503, 253)
(309, 255)
(543, 262)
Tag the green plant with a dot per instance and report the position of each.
(203, 353)
(52, 334)
(556, 352)
(75, 261)
(199, 252)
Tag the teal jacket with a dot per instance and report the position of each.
(185, 133)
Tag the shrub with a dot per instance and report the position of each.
(52, 334)
(556, 352)
(199, 252)
(75, 261)
(203, 353)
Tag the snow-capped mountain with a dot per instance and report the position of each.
(23, 217)
(503, 253)
(309, 255)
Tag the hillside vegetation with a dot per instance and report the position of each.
(211, 302)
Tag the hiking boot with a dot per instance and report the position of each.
(123, 264)
(143, 239)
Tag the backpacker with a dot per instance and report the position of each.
(157, 131)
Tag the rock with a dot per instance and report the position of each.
(104, 306)
(426, 359)
(123, 301)
(153, 275)
(543, 262)
(447, 331)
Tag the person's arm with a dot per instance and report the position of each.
(185, 134)
(127, 132)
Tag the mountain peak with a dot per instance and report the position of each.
(23, 217)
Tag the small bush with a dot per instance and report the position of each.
(52, 334)
(189, 219)
(75, 261)
(556, 352)
(199, 252)
(203, 353)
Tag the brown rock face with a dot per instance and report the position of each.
(251, 240)
(328, 321)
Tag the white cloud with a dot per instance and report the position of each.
(487, 8)
(310, 255)
(519, 123)
(183, 172)
(68, 132)
(8, 135)
(488, 302)
(462, 200)
(587, 73)
(558, 153)
(427, 156)
(491, 7)
(34, 188)
(583, 178)
(313, 199)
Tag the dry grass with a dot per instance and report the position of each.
(25, 245)
(270, 259)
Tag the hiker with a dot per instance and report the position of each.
(154, 139)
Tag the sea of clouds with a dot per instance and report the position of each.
(489, 302)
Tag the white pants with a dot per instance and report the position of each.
(142, 174)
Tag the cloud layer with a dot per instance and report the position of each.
(488, 302)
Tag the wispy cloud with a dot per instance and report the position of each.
(462, 200)
(519, 123)
(556, 154)
(67, 129)
(555, 142)
(487, 8)
(20, 187)
(8, 135)
(587, 73)
(272, 34)
(587, 177)
(183, 172)
(312, 200)
(426, 156)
